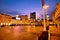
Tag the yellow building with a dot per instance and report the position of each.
(24, 17)
(57, 13)
(5, 19)
(53, 16)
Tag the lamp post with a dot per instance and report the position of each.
(45, 7)
(43, 11)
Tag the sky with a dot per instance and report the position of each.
(25, 7)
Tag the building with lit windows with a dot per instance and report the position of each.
(53, 16)
(17, 17)
(24, 17)
(57, 14)
(33, 15)
(5, 19)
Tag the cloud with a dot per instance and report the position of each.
(12, 13)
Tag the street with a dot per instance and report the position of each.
(26, 33)
(16, 33)
(54, 33)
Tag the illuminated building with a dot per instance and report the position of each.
(33, 15)
(24, 17)
(57, 14)
(5, 19)
(17, 17)
(53, 16)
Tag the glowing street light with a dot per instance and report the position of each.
(45, 6)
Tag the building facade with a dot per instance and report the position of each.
(5, 19)
(57, 14)
(33, 15)
(53, 16)
(24, 17)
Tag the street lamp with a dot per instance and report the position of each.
(45, 6)
(43, 11)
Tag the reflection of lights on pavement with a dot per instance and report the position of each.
(7, 30)
(16, 31)
(17, 28)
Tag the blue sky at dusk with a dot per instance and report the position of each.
(22, 7)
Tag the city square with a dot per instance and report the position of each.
(41, 22)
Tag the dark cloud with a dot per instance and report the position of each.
(13, 13)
